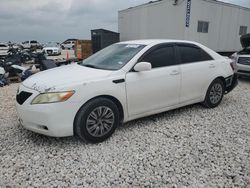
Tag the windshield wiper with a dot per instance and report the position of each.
(90, 66)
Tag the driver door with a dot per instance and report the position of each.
(158, 88)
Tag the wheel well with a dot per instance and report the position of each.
(117, 102)
(113, 99)
(222, 79)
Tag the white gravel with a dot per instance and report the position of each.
(188, 147)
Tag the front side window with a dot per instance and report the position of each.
(161, 57)
(113, 57)
(203, 27)
(243, 30)
(191, 54)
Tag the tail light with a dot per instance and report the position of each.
(233, 66)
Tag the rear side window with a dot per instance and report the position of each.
(191, 54)
(161, 57)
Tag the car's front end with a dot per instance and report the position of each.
(50, 115)
(47, 103)
(242, 58)
(52, 51)
(243, 65)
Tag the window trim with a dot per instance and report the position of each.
(153, 48)
(240, 31)
(202, 29)
(192, 46)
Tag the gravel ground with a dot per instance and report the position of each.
(187, 147)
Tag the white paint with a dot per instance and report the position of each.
(142, 93)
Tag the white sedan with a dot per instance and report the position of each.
(124, 81)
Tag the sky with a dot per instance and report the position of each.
(57, 20)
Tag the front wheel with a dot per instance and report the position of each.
(97, 120)
(214, 94)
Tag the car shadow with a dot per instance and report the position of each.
(245, 79)
(161, 116)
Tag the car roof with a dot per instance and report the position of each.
(156, 41)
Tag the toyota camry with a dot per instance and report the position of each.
(122, 82)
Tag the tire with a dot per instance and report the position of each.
(214, 94)
(97, 115)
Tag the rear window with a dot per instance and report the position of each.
(3, 45)
(191, 54)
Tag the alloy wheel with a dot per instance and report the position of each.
(216, 93)
(100, 121)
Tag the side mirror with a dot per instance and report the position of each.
(142, 66)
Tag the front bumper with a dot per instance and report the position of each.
(231, 83)
(54, 120)
(243, 70)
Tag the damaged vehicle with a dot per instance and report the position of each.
(52, 48)
(31, 44)
(242, 58)
(122, 82)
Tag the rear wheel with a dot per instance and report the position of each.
(97, 120)
(214, 94)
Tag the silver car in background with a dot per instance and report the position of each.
(242, 58)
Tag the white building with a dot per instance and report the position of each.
(215, 24)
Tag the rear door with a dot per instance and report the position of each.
(198, 71)
(155, 89)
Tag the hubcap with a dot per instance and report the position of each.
(100, 121)
(216, 93)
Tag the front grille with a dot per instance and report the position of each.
(49, 51)
(22, 97)
(244, 60)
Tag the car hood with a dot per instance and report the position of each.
(245, 40)
(62, 77)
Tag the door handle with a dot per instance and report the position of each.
(211, 66)
(118, 81)
(174, 72)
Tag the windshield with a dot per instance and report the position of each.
(113, 57)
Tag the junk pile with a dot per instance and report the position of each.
(18, 65)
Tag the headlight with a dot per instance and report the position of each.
(45, 98)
